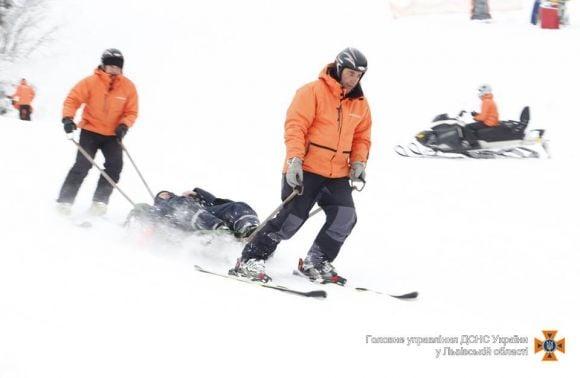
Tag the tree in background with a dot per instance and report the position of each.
(22, 28)
(5, 5)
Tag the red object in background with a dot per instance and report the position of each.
(550, 18)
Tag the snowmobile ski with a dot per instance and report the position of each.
(411, 151)
(318, 294)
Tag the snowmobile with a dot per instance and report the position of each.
(446, 139)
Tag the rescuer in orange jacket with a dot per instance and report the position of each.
(328, 137)
(22, 99)
(488, 117)
(111, 107)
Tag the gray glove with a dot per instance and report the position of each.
(294, 174)
(357, 171)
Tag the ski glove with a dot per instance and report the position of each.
(69, 125)
(120, 131)
(473, 114)
(357, 171)
(294, 174)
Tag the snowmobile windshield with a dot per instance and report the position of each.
(441, 117)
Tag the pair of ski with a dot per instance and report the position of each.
(318, 294)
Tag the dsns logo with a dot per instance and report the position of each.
(550, 345)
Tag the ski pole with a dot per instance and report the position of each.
(295, 192)
(137, 169)
(103, 173)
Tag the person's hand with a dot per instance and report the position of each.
(473, 114)
(357, 171)
(120, 131)
(294, 174)
(68, 125)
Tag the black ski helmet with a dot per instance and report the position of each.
(112, 57)
(350, 58)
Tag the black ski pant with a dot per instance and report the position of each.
(113, 153)
(24, 112)
(471, 129)
(237, 215)
(334, 196)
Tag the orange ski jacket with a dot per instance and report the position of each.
(326, 128)
(24, 94)
(489, 114)
(109, 101)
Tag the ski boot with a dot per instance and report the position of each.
(64, 208)
(98, 209)
(246, 231)
(252, 269)
(323, 273)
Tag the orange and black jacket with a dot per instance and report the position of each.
(489, 114)
(327, 129)
(109, 101)
(24, 95)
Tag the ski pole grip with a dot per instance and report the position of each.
(358, 188)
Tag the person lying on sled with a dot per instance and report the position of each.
(198, 210)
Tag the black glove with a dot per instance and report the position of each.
(120, 131)
(69, 125)
(473, 114)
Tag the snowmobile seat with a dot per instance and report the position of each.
(497, 134)
(519, 128)
(507, 130)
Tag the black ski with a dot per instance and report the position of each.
(318, 294)
(409, 295)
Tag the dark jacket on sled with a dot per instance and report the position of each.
(198, 210)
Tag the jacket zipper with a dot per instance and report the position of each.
(340, 120)
(339, 124)
(109, 89)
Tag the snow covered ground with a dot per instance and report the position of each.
(491, 245)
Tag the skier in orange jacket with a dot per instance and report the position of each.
(22, 99)
(328, 138)
(111, 107)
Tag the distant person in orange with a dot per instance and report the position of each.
(111, 106)
(22, 99)
(488, 117)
